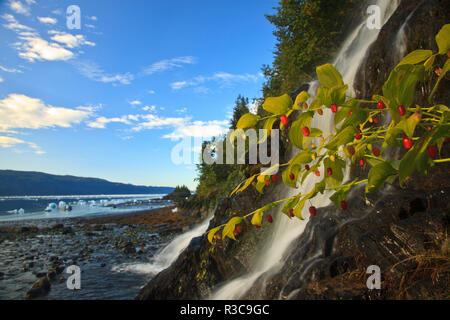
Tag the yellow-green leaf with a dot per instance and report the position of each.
(257, 218)
(443, 39)
(301, 97)
(416, 56)
(329, 76)
(212, 233)
(230, 226)
(278, 105)
(248, 120)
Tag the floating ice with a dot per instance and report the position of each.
(50, 207)
(21, 211)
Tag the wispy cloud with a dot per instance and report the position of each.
(223, 79)
(21, 111)
(135, 103)
(168, 64)
(9, 142)
(47, 20)
(101, 122)
(149, 108)
(11, 70)
(93, 71)
(1, 79)
(32, 47)
(19, 7)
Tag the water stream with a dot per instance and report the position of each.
(272, 253)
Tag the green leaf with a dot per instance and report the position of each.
(339, 196)
(248, 120)
(329, 76)
(301, 97)
(278, 105)
(245, 186)
(302, 158)
(416, 56)
(378, 175)
(337, 94)
(268, 125)
(290, 204)
(416, 158)
(230, 226)
(341, 114)
(343, 137)
(212, 233)
(409, 125)
(295, 132)
(429, 63)
(400, 88)
(358, 116)
(260, 186)
(337, 166)
(295, 169)
(443, 39)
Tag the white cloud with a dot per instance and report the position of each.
(101, 122)
(92, 71)
(182, 110)
(14, 24)
(223, 79)
(19, 7)
(21, 111)
(70, 40)
(8, 142)
(152, 121)
(151, 91)
(1, 79)
(168, 64)
(93, 18)
(203, 129)
(149, 108)
(47, 20)
(35, 48)
(11, 70)
(91, 26)
(135, 103)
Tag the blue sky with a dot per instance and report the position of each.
(112, 99)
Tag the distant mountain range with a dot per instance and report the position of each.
(27, 183)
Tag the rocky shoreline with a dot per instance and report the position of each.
(35, 253)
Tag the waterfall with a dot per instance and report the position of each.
(272, 253)
(164, 258)
(400, 39)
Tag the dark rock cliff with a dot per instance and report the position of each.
(403, 231)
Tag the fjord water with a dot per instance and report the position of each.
(270, 257)
(24, 208)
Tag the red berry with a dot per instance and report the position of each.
(358, 136)
(407, 143)
(376, 120)
(218, 236)
(235, 233)
(380, 105)
(401, 110)
(312, 211)
(361, 162)
(284, 119)
(274, 178)
(343, 205)
(429, 128)
(334, 107)
(257, 227)
(269, 218)
(329, 171)
(320, 112)
(432, 152)
(350, 113)
(291, 212)
(291, 176)
(317, 173)
(305, 131)
(404, 136)
(239, 229)
(307, 167)
(376, 152)
(351, 150)
(267, 182)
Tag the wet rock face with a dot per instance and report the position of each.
(426, 18)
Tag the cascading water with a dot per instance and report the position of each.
(169, 254)
(270, 257)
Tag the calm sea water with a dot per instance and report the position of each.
(45, 207)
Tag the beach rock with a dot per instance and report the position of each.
(129, 248)
(38, 289)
